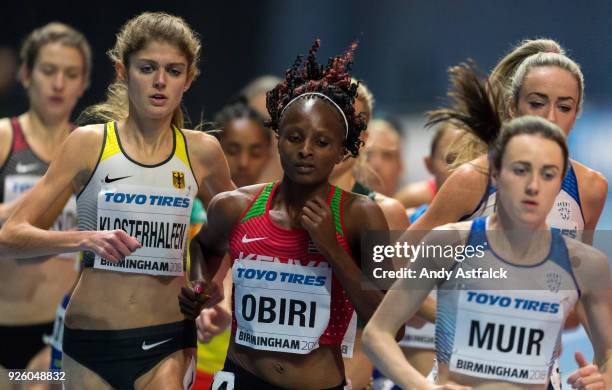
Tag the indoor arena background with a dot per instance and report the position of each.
(405, 49)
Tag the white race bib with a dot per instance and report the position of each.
(58, 328)
(56, 339)
(348, 342)
(67, 220)
(17, 185)
(508, 336)
(281, 307)
(423, 337)
(157, 217)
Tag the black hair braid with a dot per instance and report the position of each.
(333, 80)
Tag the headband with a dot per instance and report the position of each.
(346, 126)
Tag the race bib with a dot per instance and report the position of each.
(56, 339)
(423, 337)
(17, 185)
(157, 217)
(280, 307)
(348, 342)
(506, 336)
(67, 220)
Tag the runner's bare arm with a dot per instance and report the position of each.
(21, 238)
(6, 209)
(593, 200)
(459, 196)
(210, 283)
(397, 219)
(213, 321)
(207, 252)
(212, 174)
(47, 219)
(378, 337)
(394, 212)
(209, 165)
(595, 281)
(213, 238)
(400, 303)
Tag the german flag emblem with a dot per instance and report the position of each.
(178, 179)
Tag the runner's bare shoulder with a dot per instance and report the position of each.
(590, 265)
(230, 205)
(6, 139)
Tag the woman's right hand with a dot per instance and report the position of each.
(212, 322)
(587, 376)
(112, 245)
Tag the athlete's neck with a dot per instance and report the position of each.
(45, 135)
(146, 135)
(519, 243)
(293, 196)
(342, 175)
(50, 129)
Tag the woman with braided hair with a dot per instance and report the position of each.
(296, 244)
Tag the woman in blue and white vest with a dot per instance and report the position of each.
(506, 282)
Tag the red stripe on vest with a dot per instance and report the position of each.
(19, 141)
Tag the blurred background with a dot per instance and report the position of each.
(404, 50)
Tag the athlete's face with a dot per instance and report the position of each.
(552, 93)
(247, 150)
(56, 81)
(311, 140)
(439, 164)
(383, 154)
(157, 78)
(529, 179)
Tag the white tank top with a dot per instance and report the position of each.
(152, 203)
(505, 329)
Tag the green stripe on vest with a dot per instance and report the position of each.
(259, 206)
(334, 205)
